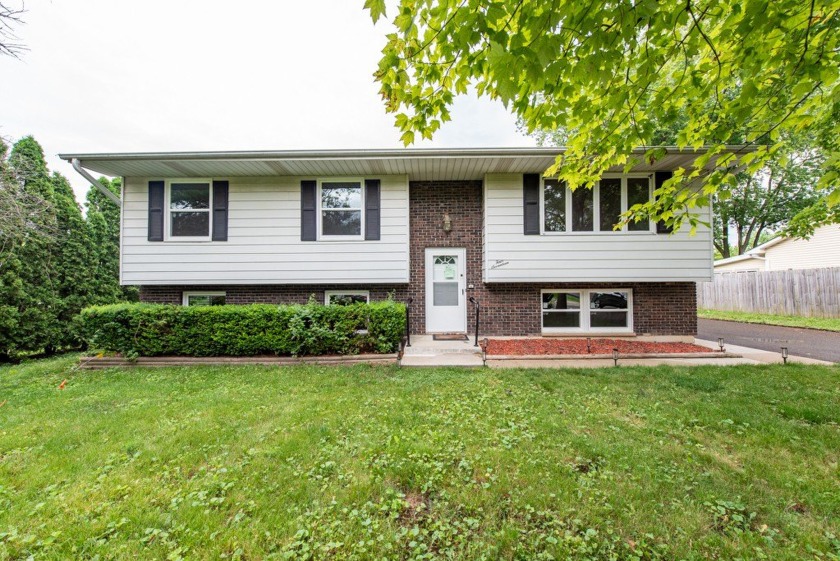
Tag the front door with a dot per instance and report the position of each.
(446, 307)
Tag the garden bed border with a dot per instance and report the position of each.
(102, 362)
(711, 354)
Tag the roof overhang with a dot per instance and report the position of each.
(738, 258)
(420, 164)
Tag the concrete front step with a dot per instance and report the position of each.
(426, 345)
(430, 350)
(442, 359)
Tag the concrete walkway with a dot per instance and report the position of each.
(425, 351)
(811, 343)
(758, 356)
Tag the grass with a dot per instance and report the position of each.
(829, 324)
(373, 462)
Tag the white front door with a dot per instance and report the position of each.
(446, 307)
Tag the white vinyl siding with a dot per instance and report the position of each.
(821, 250)
(264, 245)
(511, 256)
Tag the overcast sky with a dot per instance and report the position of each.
(156, 75)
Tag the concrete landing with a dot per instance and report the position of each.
(425, 351)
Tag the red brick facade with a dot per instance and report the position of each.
(507, 309)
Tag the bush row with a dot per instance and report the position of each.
(233, 330)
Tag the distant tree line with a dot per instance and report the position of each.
(54, 260)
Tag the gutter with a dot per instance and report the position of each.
(102, 189)
(373, 154)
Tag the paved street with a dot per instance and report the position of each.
(811, 343)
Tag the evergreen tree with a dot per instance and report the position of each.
(103, 220)
(53, 261)
(73, 260)
(28, 291)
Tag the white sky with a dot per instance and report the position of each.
(156, 75)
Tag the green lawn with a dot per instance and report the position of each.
(363, 462)
(830, 324)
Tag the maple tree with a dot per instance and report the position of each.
(737, 77)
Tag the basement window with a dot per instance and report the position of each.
(346, 297)
(204, 299)
(587, 310)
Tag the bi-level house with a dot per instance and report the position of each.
(438, 226)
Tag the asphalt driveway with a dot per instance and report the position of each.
(811, 343)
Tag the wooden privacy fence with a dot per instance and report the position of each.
(796, 292)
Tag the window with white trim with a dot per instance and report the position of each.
(594, 210)
(340, 204)
(587, 310)
(204, 299)
(346, 297)
(188, 209)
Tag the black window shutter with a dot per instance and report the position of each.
(308, 211)
(659, 178)
(220, 211)
(372, 209)
(156, 211)
(531, 203)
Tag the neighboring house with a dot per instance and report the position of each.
(821, 250)
(436, 226)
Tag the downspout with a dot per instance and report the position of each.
(102, 189)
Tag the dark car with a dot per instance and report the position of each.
(610, 300)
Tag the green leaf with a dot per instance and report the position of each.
(377, 9)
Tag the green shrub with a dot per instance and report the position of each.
(256, 329)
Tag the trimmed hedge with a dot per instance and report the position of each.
(234, 330)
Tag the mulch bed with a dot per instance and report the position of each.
(548, 346)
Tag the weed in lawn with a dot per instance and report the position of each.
(729, 516)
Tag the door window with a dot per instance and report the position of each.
(445, 280)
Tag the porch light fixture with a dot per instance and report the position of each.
(720, 343)
(784, 354)
(447, 222)
(615, 356)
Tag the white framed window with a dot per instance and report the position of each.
(216, 298)
(188, 209)
(340, 205)
(587, 310)
(596, 209)
(345, 297)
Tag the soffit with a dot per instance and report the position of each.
(417, 164)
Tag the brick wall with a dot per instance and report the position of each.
(507, 309)
(660, 308)
(264, 294)
(428, 201)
